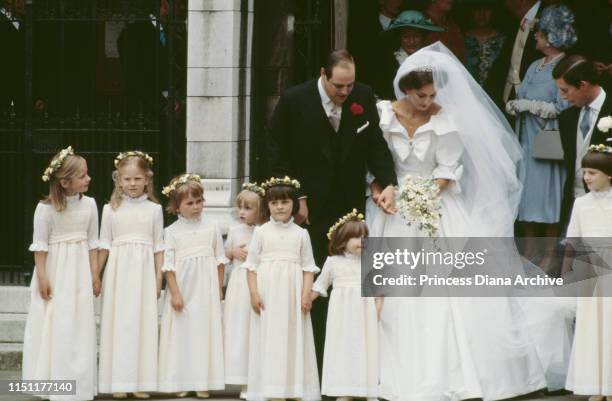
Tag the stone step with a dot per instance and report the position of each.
(14, 299)
(10, 356)
(12, 327)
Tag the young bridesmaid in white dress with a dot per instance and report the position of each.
(350, 361)
(590, 371)
(60, 334)
(191, 339)
(131, 238)
(282, 360)
(237, 304)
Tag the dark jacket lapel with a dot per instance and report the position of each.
(314, 110)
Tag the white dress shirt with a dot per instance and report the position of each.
(331, 108)
(582, 143)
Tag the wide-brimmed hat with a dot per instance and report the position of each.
(557, 22)
(413, 19)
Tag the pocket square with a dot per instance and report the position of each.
(364, 126)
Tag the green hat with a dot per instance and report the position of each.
(414, 19)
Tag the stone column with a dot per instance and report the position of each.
(218, 99)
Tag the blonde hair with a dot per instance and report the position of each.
(71, 167)
(249, 197)
(190, 187)
(144, 166)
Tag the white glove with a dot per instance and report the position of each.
(511, 107)
(537, 107)
(543, 109)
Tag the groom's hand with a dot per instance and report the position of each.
(386, 200)
(302, 214)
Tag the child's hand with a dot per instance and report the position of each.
(256, 303)
(96, 284)
(44, 288)
(240, 252)
(306, 302)
(177, 302)
(379, 301)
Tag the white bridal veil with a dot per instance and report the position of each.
(491, 183)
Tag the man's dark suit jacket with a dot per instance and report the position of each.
(568, 126)
(331, 166)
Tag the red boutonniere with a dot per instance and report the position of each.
(356, 109)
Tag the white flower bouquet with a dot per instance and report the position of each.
(419, 203)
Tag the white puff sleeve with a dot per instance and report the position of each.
(448, 158)
(254, 251)
(42, 228)
(106, 228)
(169, 252)
(218, 245)
(92, 230)
(306, 256)
(158, 230)
(324, 279)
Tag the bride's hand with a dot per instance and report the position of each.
(386, 200)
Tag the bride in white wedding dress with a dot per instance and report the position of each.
(445, 127)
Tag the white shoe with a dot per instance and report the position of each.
(596, 398)
(243, 392)
(182, 394)
(141, 395)
(202, 394)
(119, 396)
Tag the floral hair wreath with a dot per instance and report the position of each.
(56, 163)
(274, 181)
(253, 187)
(136, 153)
(352, 216)
(182, 180)
(601, 148)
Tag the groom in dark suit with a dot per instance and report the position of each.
(578, 82)
(325, 134)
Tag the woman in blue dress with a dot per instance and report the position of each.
(537, 107)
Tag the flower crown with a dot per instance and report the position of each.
(274, 181)
(253, 187)
(354, 215)
(136, 153)
(56, 163)
(182, 180)
(601, 148)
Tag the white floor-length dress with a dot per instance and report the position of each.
(60, 334)
(237, 311)
(191, 341)
(282, 359)
(128, 327)
(350, 359)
